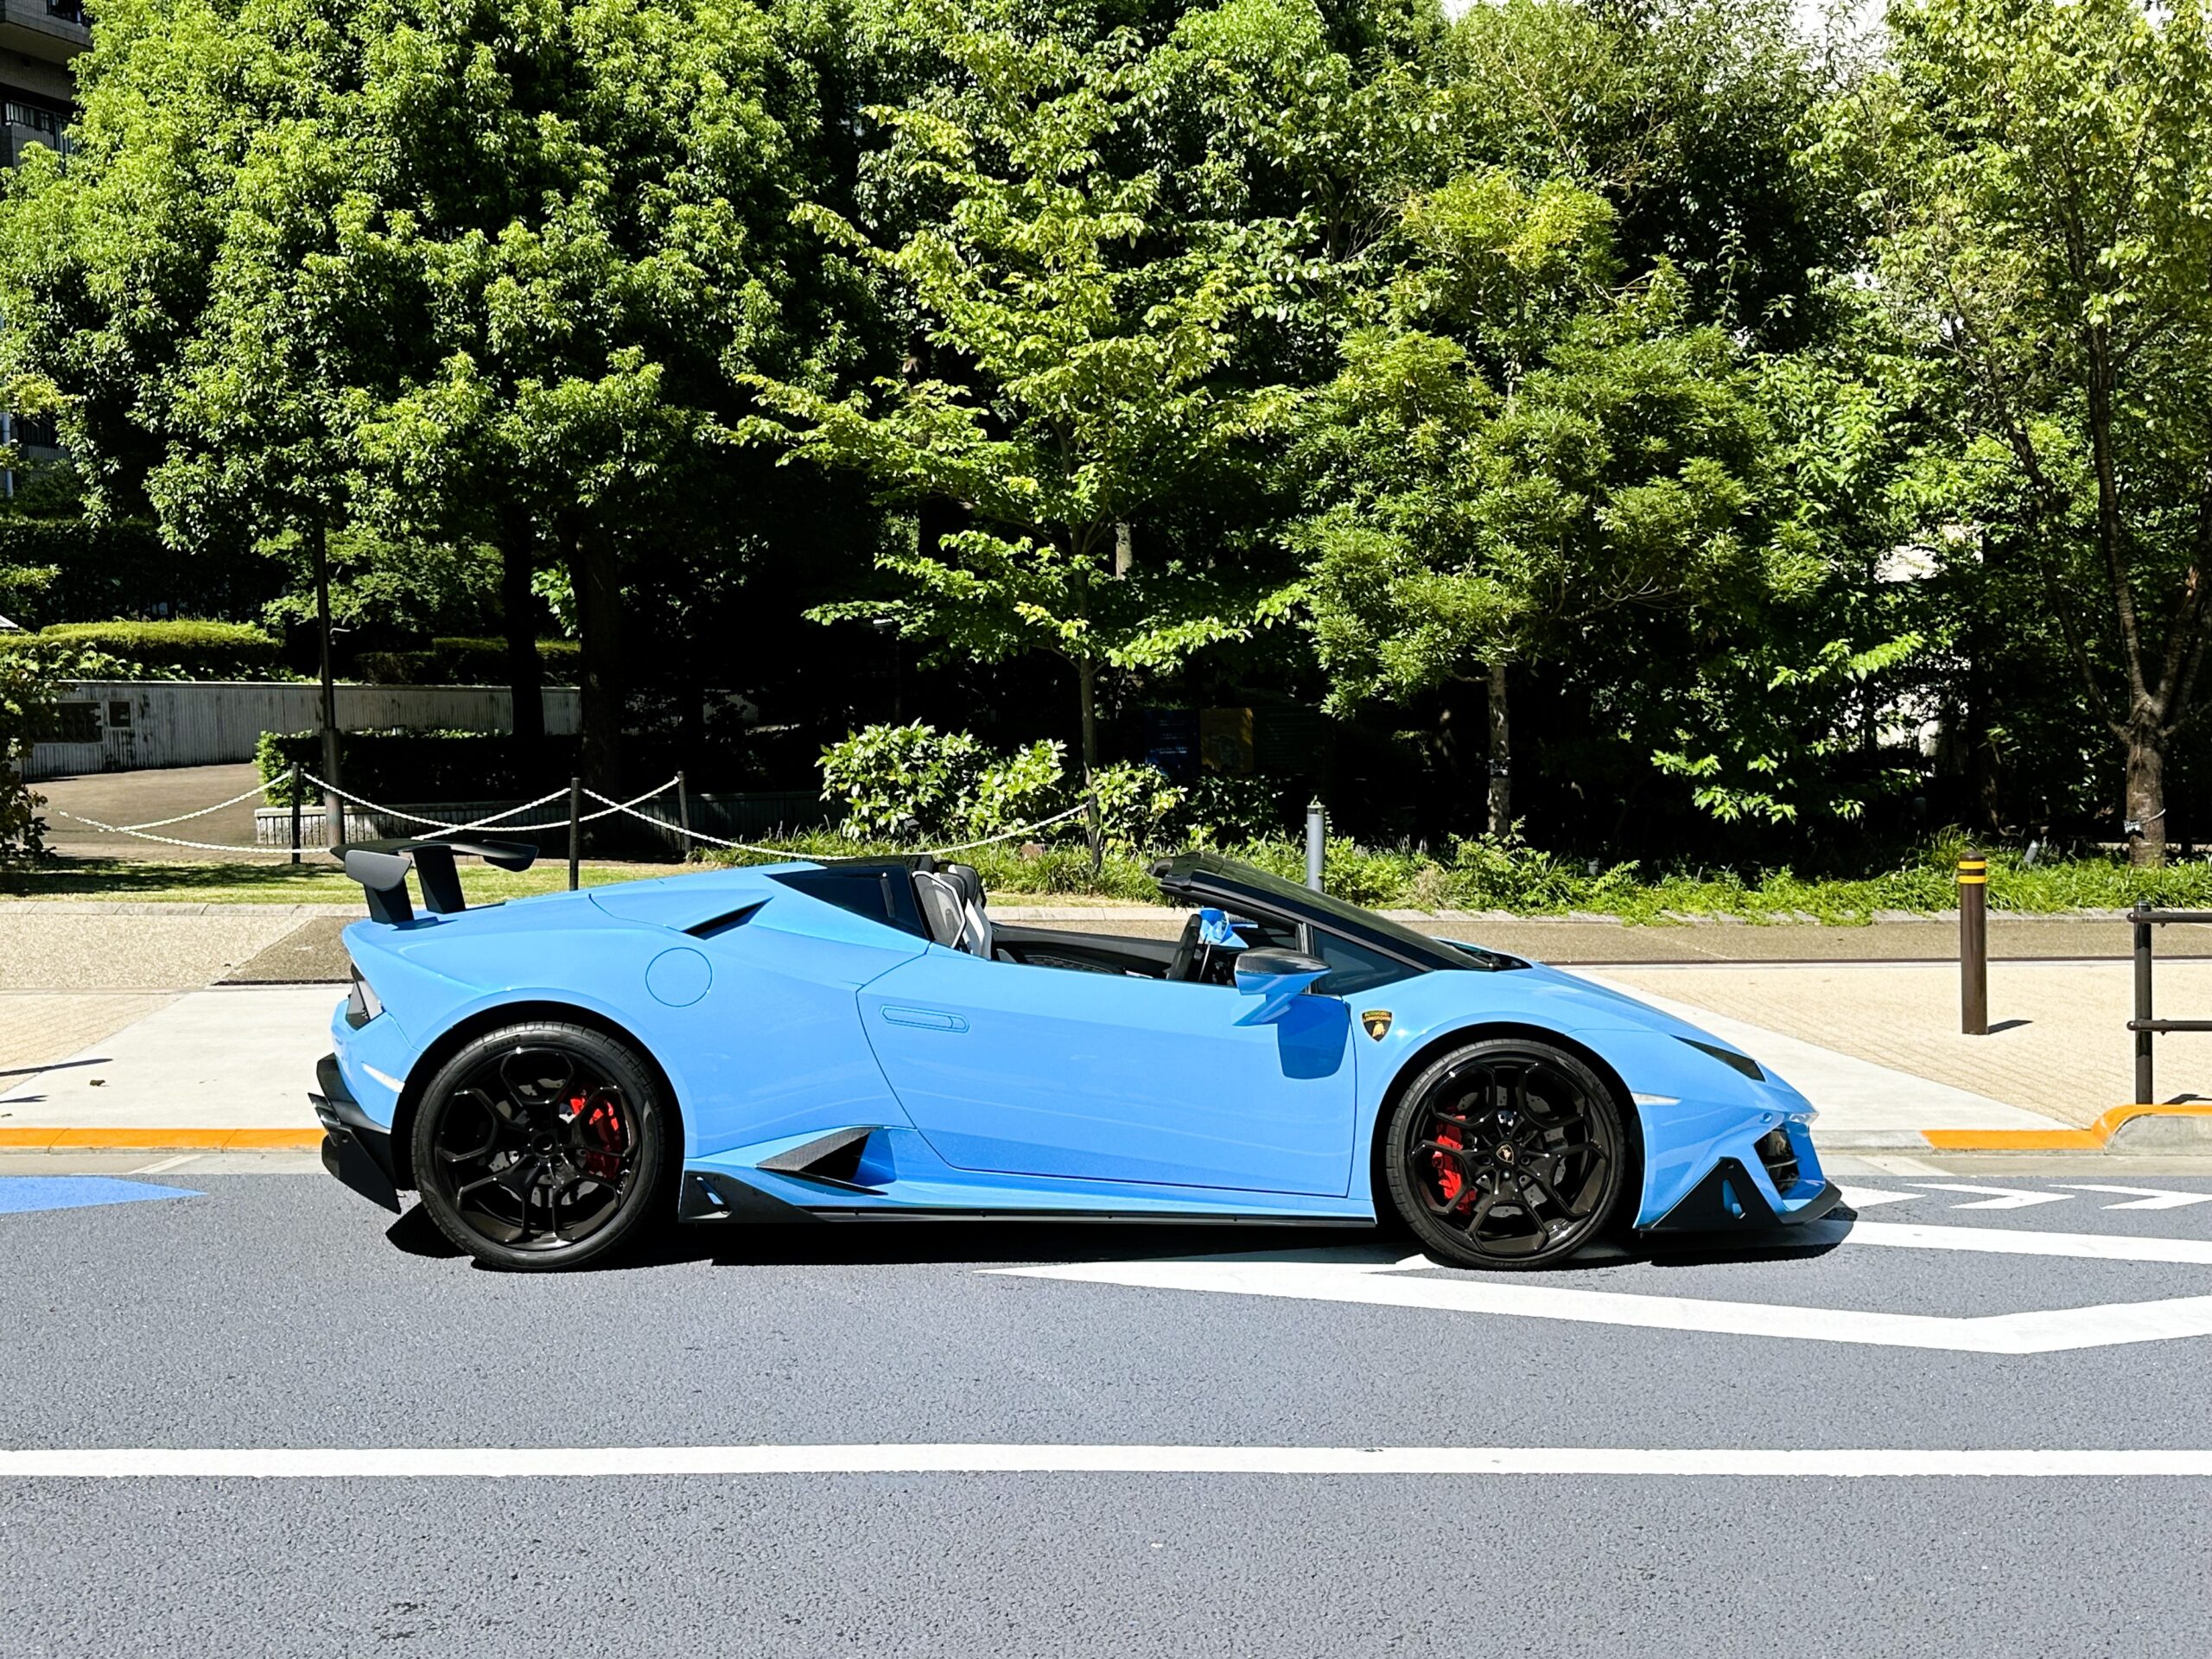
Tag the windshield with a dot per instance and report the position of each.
(1323, 908)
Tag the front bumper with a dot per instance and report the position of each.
(1729, 1201)
(355, 1150)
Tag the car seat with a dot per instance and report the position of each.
(951, 900)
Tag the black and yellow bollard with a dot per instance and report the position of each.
(1974, 945)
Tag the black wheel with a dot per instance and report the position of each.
(1507, 1153)
(543, 1146)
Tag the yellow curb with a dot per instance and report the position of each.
(2093, 1139)
(58, 1140)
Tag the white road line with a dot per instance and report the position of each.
(2034, 1332)
(2147, 1198)
(2012, 1240)
(159, 1165)
(1865, 1198)
(2006, 1197)
(478, 1463)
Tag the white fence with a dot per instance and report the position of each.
(120, 725)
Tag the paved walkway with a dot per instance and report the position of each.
(143, 796)
(140, 1009)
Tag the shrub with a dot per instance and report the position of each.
(1136, 804)
(465, 661)
(913, 782)
(26, 693)
(176, 650)
(899, 782)
(400, 766)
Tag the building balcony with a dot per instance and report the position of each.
(53, 31)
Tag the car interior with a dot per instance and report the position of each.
(946, 903)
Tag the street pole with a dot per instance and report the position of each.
(1317, 842)
(2144, 1083)
(333, 807)
(1974, 946)
(575, 826)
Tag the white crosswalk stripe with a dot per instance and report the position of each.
(2145, 1198)
(2013, 1198)
(2001, 1198)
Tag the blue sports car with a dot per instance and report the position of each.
(860, 1040)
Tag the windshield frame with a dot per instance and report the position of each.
(1208, 876)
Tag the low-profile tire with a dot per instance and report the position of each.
(543, 1145)
(1508, 1152)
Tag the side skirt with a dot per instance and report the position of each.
(723, 1198)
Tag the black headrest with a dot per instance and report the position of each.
(968, 879)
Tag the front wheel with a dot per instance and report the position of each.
(1507, 1153)
(541, 1144)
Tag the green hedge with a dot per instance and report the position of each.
(176, 650)
(398, 767)
(464, 661)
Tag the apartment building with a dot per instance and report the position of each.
(37, 40)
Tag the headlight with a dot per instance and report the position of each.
(1741, 1064)
(362, 1004)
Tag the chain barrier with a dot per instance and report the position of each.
(785, 852)
(609, 808)
(499, 818)
(172, 840)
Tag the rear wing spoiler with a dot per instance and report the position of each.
(381, 867)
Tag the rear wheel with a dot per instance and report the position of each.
(543, 1145)
(1508, 1152)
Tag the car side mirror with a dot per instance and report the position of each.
(1278, 978)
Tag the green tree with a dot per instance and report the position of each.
(1523, 450)
(2041, 177)
(1074, 372)
(475, 273)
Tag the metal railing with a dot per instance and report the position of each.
(2146, 1025)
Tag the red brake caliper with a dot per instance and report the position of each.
(1449, 1181)
(602, 1124)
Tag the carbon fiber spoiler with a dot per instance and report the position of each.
(381, 867)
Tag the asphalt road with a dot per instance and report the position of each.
(274, 1311)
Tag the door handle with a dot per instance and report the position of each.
(924, 1019)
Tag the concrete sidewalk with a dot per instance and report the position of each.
(191, 1016)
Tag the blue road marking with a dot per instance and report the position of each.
(20, 1194)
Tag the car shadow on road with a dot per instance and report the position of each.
(1019, 1243)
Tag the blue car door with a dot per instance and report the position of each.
(1036, 1070)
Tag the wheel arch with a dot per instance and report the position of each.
(465, 1031)
(1483, 1031)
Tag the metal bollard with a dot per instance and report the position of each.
(295, 812)
(1974, 946)
(575, 827)
(683, 816)
(2143, 1018)
(1317, 842)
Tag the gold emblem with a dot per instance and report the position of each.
(1377, 1021)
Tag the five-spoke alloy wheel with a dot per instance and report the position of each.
(541, 1144)
(1508, 1152)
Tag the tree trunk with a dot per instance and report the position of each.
(2147, 793)
(519, 608)
(1086, 680)
(1500, 752)
(334, 806)
(595, 574)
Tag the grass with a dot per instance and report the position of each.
(316, 881)
(1479, 874)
